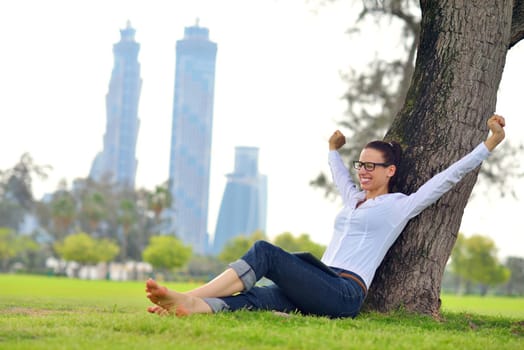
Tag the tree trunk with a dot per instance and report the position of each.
(459, 66)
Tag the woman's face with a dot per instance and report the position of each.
(377, 179)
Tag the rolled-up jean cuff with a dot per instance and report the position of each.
(216, 304)
(245, 273)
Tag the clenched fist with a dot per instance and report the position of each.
(336, 140)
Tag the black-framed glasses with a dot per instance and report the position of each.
(368, 166)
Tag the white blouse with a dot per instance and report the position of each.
(363, 235)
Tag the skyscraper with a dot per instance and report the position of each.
(191, 135)
(244, 204)
(117, 161)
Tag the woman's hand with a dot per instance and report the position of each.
(336, 140)
(496, 124)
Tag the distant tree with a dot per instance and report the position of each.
(166, 253)
(16, 193)
(287, 241)
(291, 243)
(106, 250)
(63, 213)
(158, 200)
(238, 246)
(94, 209)
(13, 245)
(26, 248)
(84, 249)
(97, 204)
(204, 266)
(459, 266)
(515, 285)
(17, 183)
(145, 226)
(127, 217)
(474, 259)
(451, 282)
(102, 209)
(77, 247)
(11, 214)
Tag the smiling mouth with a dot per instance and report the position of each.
(364, 180)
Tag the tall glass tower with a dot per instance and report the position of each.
(191, 136)
(244, 204)
(117, 161)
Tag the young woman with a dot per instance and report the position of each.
(368, 224)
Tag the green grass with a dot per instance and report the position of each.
(58, 313)
(491, 305)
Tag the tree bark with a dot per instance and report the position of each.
(517, 22)
(461, 57)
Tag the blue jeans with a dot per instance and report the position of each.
(298, 286)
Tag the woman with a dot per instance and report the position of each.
(366, 227)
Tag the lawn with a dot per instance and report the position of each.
(492, 305)
(59, 313)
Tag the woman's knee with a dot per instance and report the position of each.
(264, 245)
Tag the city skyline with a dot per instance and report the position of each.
(278, 87)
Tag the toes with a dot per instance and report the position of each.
(152, 298)
(151, 284)
(157, 310)
(154, 289)
(152, 309)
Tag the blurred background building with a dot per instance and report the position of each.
(244, 204)
(117, 161)
(190, 155)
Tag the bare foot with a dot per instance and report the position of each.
(171, 302)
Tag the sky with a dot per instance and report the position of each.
(278, 87)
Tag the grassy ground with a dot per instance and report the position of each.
(492, 305)
(57, 313)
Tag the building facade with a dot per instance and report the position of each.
(190, 157)
(117, 162)
(244, 204)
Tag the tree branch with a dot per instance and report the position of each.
(517, 23)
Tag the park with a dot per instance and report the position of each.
(437, 110)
